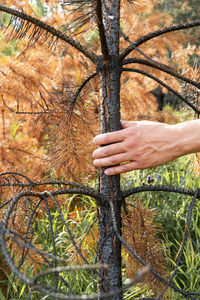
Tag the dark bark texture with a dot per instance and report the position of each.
(109, 247)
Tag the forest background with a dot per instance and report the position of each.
(37, 139)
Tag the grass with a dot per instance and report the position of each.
(80, 215)
(173, 210)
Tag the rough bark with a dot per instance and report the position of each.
(109, 247)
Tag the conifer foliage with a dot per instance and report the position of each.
(82, 47)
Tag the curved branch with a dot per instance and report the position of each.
(195, 194)
(32, 184)
(80, 191)
(40, 26)
(135, 48)
(77, 188)
(76, 95)
(165, 85)
(16, 173)
(156, 33)
(101, 29)
(157, 188)
(161, 67)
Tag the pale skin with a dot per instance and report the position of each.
(144, 144)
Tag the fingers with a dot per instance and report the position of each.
(108, 138)
(115, 136)
(111, 160)
(115, 150)
(122, 168)
(126, 124)
(108, 151)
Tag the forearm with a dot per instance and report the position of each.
(188, 136)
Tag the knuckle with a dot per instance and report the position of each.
(124, 168)
(114, 160)
(106, 151)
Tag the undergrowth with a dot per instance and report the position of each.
(80, 215)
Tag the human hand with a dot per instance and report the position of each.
(139, 145)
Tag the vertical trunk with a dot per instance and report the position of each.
(109, 248)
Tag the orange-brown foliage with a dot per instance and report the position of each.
(140, 231)
(41, 71)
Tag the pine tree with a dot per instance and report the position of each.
(74, 114)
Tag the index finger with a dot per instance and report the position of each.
(108, 138)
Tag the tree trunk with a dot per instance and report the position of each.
(109, 247)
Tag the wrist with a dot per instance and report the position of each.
(188, 137)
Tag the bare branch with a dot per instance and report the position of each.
(157, 188)
(23, 112)
(20, 240)
(165, 85)
(135, 48)
(156, 33)
(104, 46)
(81, 189)
(76, 95)
(161, 67)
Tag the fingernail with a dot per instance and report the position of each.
(107, 172)
(95, 140)
(95, 162)
(95, 151)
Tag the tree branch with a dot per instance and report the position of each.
(156, 33)
(165, 85)
(104, 46)
(126, 38)
(23, 112)
(80, 191)
(161, 67)
(73, 100)
(41, 26)
(77, 188)
(157, 188)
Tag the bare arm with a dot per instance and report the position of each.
(144, 144)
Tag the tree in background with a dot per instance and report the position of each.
(183, 11)
(40, 83)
